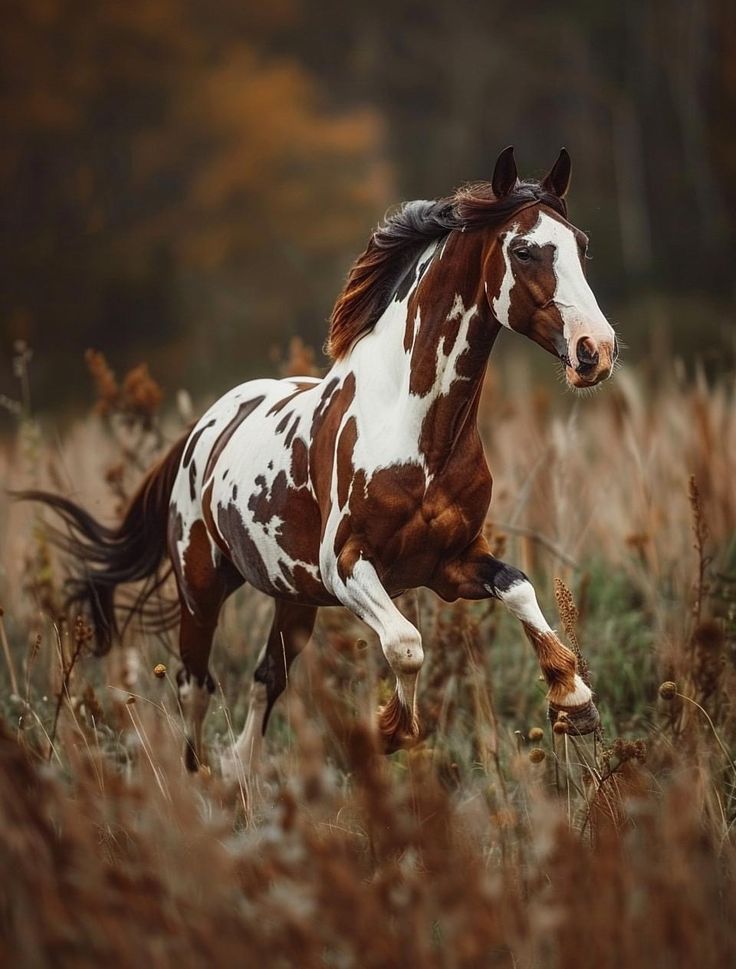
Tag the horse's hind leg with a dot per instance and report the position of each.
(290, 632)
(194, 680)
(205, 580)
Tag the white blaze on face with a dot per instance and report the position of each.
(579, 309)
(581, 315)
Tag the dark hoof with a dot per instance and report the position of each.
(576, 721)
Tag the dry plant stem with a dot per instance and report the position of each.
(66, 673)
(241, 779)
(542, 540)
(8, 657)
(720, 743)
(141, 736)
(156, 706)
(700, 535)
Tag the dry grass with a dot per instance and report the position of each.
(465, 852)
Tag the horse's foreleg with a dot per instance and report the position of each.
(480, 575)
(361, 591)
(290, 632)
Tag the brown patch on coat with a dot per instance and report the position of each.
(200, 574)
(243, 550)
(193, 440)
(299, 463)
(300, 522)
(345, 468)
(342, 534)
(209, 521)
(246, 407)
(291, 432)
(204, 584)
(451, 418)
(352, 552)
(281, 426)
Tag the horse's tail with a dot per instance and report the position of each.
(105, 557)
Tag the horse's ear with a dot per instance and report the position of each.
(504, 174)
(558, 180)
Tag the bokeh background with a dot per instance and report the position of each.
(187, 183)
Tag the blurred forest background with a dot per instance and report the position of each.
(188, 183)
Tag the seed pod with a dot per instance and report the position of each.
(668, 690)
(560, 726)
(536, 733)
(159, 671)
(536, 755)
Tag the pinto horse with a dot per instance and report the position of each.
(372, 481)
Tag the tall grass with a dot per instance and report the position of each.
(494, 842)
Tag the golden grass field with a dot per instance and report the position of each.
(492, 844)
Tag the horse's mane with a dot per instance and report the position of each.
(403, 235)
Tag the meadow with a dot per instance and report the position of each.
(494, 842)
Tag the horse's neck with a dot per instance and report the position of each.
(419, 372)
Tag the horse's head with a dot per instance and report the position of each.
(535, 276)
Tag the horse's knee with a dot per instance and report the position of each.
(404, 651)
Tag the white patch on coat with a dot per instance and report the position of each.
(501, 304)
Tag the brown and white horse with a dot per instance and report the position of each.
(352, 489)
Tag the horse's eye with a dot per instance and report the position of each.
(523, 254)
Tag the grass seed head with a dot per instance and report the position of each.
(668, 690)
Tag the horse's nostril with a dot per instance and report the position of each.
(587, 354)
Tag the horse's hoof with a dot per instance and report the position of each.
(576, 721)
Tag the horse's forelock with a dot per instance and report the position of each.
(375, 274)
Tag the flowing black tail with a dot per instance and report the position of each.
(105, 558)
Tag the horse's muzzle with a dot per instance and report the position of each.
(590, 361)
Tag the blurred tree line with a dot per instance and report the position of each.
(188, 183)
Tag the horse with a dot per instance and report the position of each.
(352, 489)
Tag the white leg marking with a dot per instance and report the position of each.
(400, 640)
(521, 600)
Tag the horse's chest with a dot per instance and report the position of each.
(409, 520)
